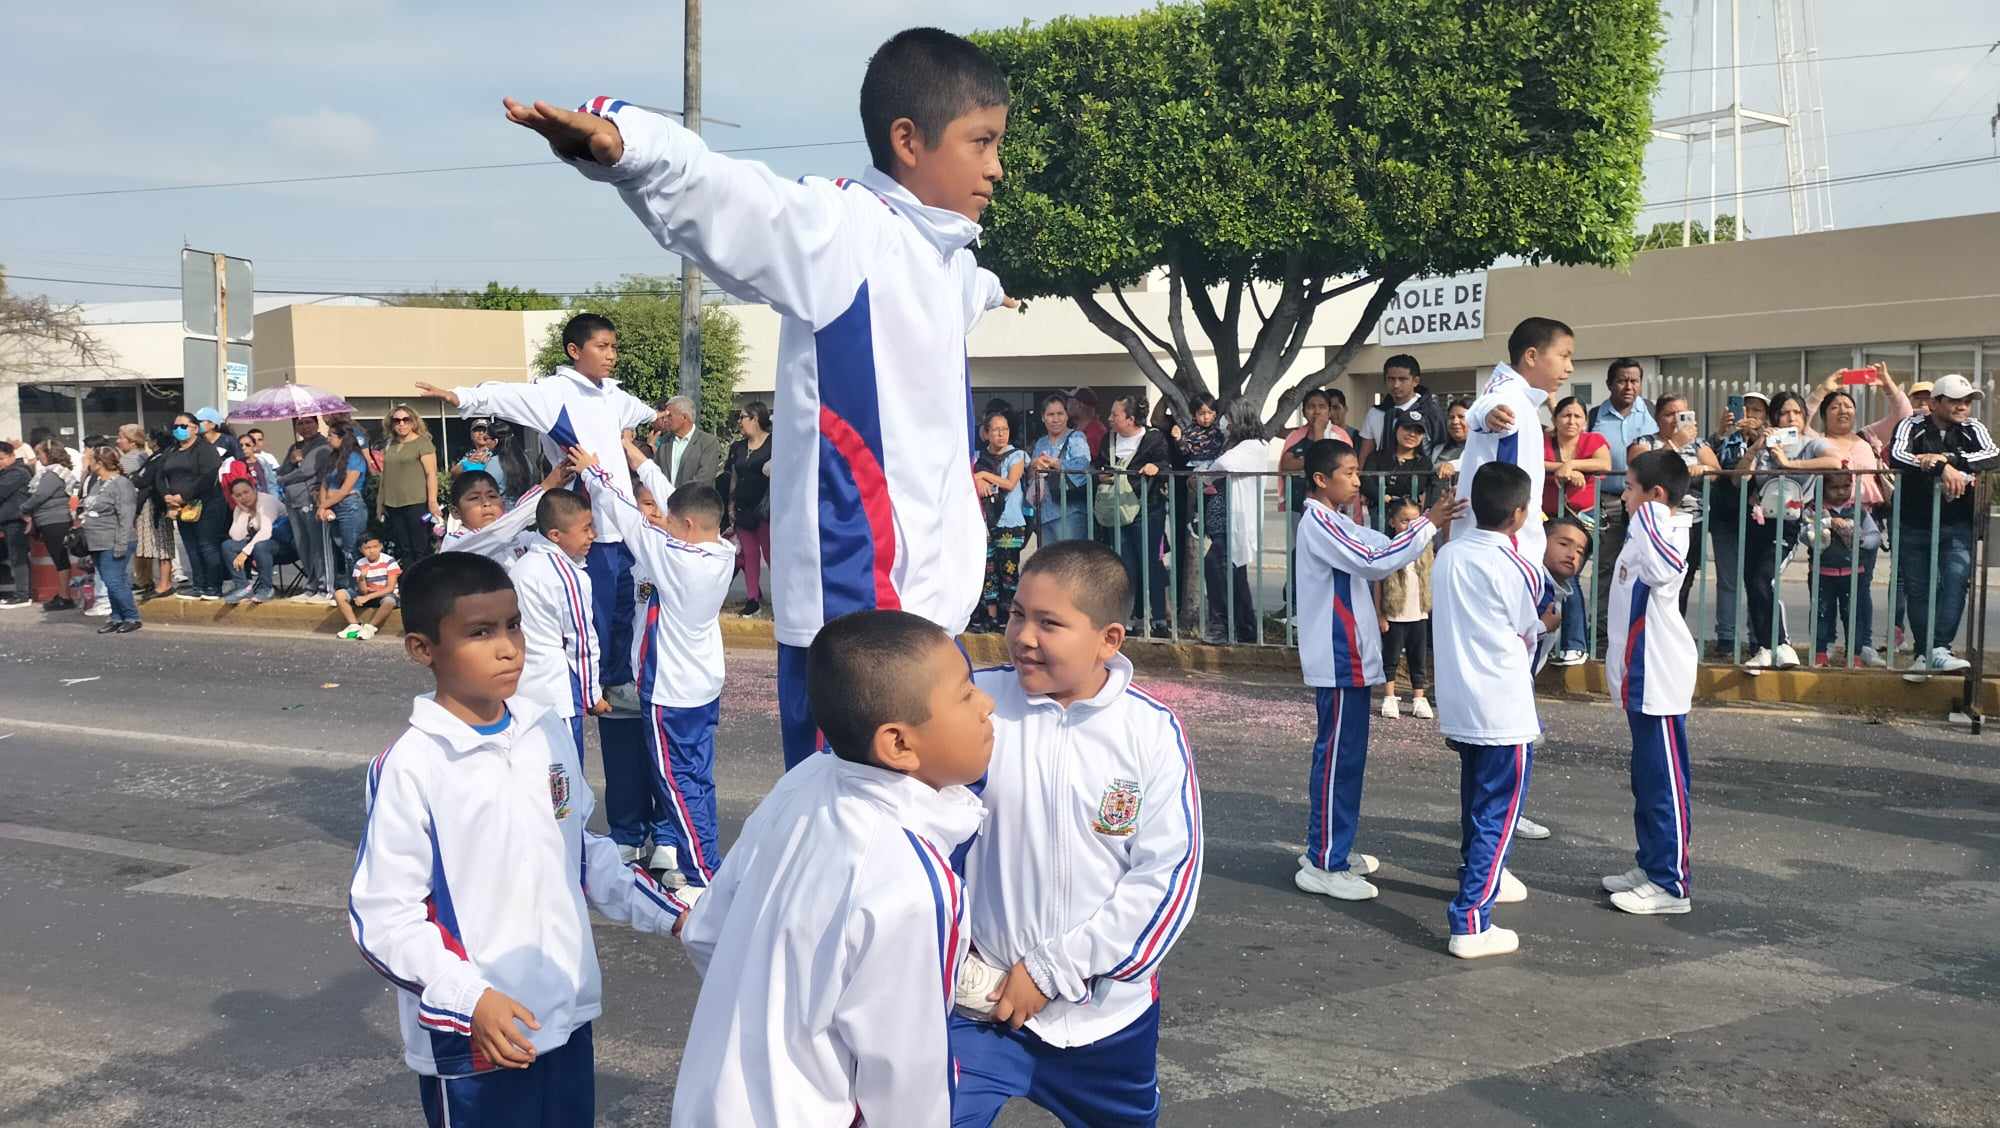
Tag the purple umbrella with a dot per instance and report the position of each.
(288, 401)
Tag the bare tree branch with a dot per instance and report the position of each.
(1262, 317)
(37, 334)
(1390, 278)
(1222, 336)
(1135, 346)
(1345, 288)
(1119, 293)
(1177, 318)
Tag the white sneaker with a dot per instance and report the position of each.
(1918, 671)
(665, 866)
(1787, 658)
(1512, 892)
(1870, 658)
(977, 979)
(99, 609)
(190, 595)
(368, 631)
(1363, 864)
(629, 854)
(1944, 661)
(1647, 899)
(306, 597)
(1569, 658)
(1389, 707)
(1625, 882)
(1421, 709)
(1758, 661)
(1495, 941)
(1341, 885)
(351, 630)
(1525, 827)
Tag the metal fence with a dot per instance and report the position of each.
(1173, 531)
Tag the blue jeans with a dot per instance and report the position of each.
(350, 517)
(1576, 619)
(1063, 521)
(261, 556)
(115, 573)
(1954, 570)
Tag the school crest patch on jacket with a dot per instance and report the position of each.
(559, 790)
(1118, 809)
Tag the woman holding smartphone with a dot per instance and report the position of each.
(1773, 446)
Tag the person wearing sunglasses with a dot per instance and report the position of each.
(407, 503)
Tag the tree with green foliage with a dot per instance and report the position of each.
(647, 312)
(1670, 234)
(1298, 150)
(494, 296)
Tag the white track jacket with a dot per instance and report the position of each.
(569, 410)
(1520, 444)
(1340, 639)
(1484, 595)
(828, 947)
(1650, 656)
(872, 501)
(1090, 861)
(497, 541)
(676, 630)
(560, 669)
(474, 870)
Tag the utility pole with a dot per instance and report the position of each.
(690, 275)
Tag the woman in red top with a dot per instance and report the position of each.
(1574, 456)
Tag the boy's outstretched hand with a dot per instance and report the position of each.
(1446, 510)
(571, 135)
(1018, 999)
(431, 391)
(494, 1033)
(582, 459)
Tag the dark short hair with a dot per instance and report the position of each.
(1664, 398)
(1135, 405)
(865, 670)
(583, 327)
(1535, 333)
(1321, 393)
(760, 411)
(466, 479)
(1398, 504)
(1201, 400)
(1404, 361)
(1055, 398)
(1498, 490)
(1459, 402)
(931, 77)
(1324, 456)
(556, 509)
(257, 431)
(698, 502)
(1337, 396)
(1090, 573)
(1661, 469)
(1623, 362)
(366, 534)
(1567, 522)
(434, 585)
(6, 448)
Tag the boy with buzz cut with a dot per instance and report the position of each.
(829, 943)
(1484, 595)
(561, 667)
(1504, 423)
(1340, 654)
(875, 280)
(1649, 667)
(1088, 868)
(683, 568)
(494, 963)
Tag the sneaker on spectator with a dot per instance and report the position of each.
(1421, 709)
(1758, 661)
(750, 609)
(1822, 659)
(1722, 649)
(1785, 658)
(100, 609)
(368, 631)
(1341, 885)
(1525, 827)
(1495, 941)
(1389, 707)
(352, 630)
(1625, 882)
(1648, 899)
(1569, 658)
(306, 596)
(1918, 671)
(1870, 658)
(1945, 662)
(188, 594)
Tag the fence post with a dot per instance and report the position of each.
(1707, 559)
(1778, 555)
(1976, 634)
(1895, 560)
(1202, 548)
(1929, 641)
(1742, 610)
(1259, 557)
(1853, 654)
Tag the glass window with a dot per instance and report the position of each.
(1681, 376)
(1901, 359)
(49, 410)
(1780, 371)
(105, 409)
(159, 402)
(1728, 375)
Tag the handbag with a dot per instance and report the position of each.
(1117, 501)
(74, 542)
(190, 512)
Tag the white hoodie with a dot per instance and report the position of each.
(872, 500)
(828, 947)
(560, 668)
(1519, 443)
(474, 870)
(569, 410)
(1090, 861)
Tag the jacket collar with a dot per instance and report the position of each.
(430, 718)
(532, 541)
(1509, 372)
(943, 228)
(1485, 536)
(946, 816)
(589, 386)
(1120, 669)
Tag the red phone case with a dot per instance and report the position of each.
(1857, 376)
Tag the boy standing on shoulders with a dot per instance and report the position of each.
(1484, 597)
(1087, 870)
(1538, 361)
(829, 943)
(1340, 653)
(560, 670)
(495, 963)
(1649, 667)
(871, 478)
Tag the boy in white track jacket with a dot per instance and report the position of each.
(829, 941)
(560, 671)
(1087, 870)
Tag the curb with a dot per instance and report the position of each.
(1872, 691)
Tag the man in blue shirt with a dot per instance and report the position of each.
(1623, 419)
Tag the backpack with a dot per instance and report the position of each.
(1117, 501)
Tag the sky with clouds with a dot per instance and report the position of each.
(198, 91)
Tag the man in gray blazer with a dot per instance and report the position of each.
(685, 452)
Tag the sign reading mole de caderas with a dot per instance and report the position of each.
(1427, 310)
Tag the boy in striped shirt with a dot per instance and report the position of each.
(1340, 654)
(1649, 667)
(375, 576)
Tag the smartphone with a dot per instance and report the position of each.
(1736, 406)
(1781, 436)
(1857, 376)
(1685, 419)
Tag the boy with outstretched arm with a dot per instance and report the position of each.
(1484, 595)
(683, 568)
(561, 667)
(1649, 667)
(875, 280)
(1505, 421)
(495, 964)
(1087, 870)
(1340, 654)
(829, 942)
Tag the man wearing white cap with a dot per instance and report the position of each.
(1941, 454)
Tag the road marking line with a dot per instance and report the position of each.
(267, 753)
(98, 844)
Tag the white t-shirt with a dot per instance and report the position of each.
(1123, 447)
(1483, 597)
(1375, 420)
(1411, 610)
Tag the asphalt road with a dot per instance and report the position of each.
(176, 834)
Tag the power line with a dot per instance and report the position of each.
(339, 292)
(369, 175)
(1852, 178)
(1838, 58)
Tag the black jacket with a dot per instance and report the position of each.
(1966, 446)
(1153, 449)
(191, 473)
(14, 482)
